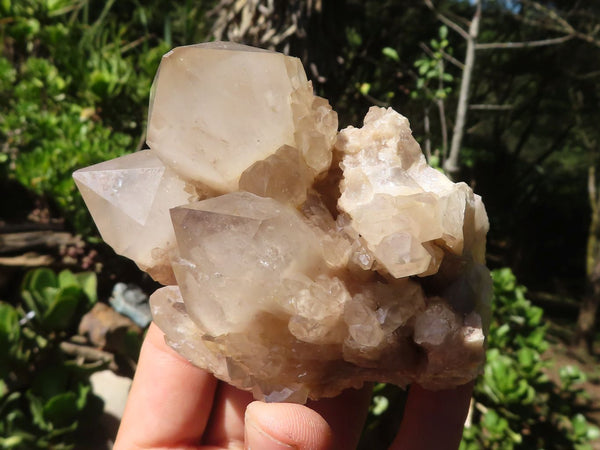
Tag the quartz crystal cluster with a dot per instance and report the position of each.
(298, 261)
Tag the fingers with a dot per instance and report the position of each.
(346, 415)
(280, 426)
(170, 399)
(433, 419)
(324, 424)
(226, 426)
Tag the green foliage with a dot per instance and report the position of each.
(516, 405)
(431, 70)
(45, 397)
(74, 83)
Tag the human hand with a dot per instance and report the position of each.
(175, 405)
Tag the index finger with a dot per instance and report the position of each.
(170, 400)
(433, 419)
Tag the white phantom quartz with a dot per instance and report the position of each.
(299, 261)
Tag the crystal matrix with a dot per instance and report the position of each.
(300, 261)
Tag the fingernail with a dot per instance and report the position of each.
(257, 439)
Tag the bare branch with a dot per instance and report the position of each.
(551, 14)
(452, 60)
(427, 130)
(445, 20)
(426, 48)
(446, 56)
(88, 353)
(451, 164)
(486, 107)
(593, 196)
(443, 124)
(587, 38)
(527, 44)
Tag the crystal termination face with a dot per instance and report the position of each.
(298, 261)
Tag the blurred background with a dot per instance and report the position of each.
(504, 95)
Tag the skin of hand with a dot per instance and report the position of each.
(175, 405)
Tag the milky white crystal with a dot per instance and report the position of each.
(302, 261)
(405, 210)
(129, 199)
(225, 106)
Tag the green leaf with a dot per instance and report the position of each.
(365, 88)
(11, 442)
(443, 32)
(67, 278)
(50, 381)
(38, 279)
(37, 289)
(390, 53)
(380, 405)
(9, 326)
(36, 408)
(62, 309)
(5, 5)
(83, 390)
(61, 409)
(593, 433)
(353, 37)
(89, 283)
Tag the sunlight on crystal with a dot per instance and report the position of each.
(299, 261)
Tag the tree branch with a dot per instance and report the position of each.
(452, 60)
(527, 44)
(445, 20)
(486, 107)
(451, 164)
(593, 196)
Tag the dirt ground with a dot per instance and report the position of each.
(564, 355)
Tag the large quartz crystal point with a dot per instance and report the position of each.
(129, 199)
(225, 106)
(406, 212)
(234, 253)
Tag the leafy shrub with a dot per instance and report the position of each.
(74, 83)
(45, 397)
(515, 404)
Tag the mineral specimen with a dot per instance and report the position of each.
(300, 261)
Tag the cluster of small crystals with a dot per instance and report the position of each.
(299, 261)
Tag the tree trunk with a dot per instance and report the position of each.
(586, 322)
(451, 165)
(427, 130)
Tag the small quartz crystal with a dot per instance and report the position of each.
(299, 261)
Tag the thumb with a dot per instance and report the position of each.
(285, 426)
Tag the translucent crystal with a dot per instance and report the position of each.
(225, 106)
(129, 199)
(283, 176)
(407, 212)
(240, 247)
(306, 261)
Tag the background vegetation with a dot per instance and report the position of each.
(501, 94)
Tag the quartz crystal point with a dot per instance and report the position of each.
(225, 106)
(300, 261)
(129, 199)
